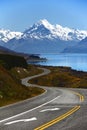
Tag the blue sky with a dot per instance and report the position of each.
(20, 14)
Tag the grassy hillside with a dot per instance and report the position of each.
(10, 61)
(63, 77)
(11, 89)
(13, 68)
(20, 73)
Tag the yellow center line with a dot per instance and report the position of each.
(56, 120)
(82, 98)
(80, 95)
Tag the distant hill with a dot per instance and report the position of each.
(9, 61)
(27, 57)
(81, 47)
(5, 50)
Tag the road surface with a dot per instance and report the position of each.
(56, 109)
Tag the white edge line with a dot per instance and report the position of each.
(28, 110)
(17, 103)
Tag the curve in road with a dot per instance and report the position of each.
(66, 100)
(45, 72)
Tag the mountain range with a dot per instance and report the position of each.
(43, 37)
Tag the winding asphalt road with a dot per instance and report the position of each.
(56, 109)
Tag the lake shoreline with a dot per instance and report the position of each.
(75, 61)
(62, 77)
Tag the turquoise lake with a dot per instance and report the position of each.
(75, 61)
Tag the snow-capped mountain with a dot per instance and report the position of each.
(42, 37)
(6, 35)
(43, 29)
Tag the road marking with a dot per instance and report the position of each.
(82, 98)
(51, 109)
(80, 95)
(56, 120)
(28, 110)
(22, 120)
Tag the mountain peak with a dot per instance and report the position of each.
(45, 23)
(40, 30)
(44, 30)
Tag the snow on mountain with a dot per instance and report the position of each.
(43, 37)
(6, 35)
(43, 29)
(40, 30)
